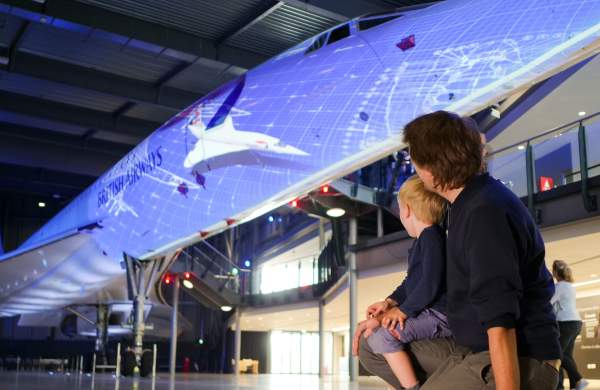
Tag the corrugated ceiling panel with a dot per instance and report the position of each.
(39, 123)
(282, 29)
(406, 3)
(49, 90)
(203, 76)
(205, 18)
(96, 52)
(150, 112)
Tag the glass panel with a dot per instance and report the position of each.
(306, 272)
(285, 276)
(295, 352)
(556, 160)
(509, 167)
(592, 134)
(280, 361)
(310, 350)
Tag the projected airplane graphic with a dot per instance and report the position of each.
(318, 111)
(220, 145)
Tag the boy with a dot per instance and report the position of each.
(416, 309)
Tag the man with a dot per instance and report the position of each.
(499, 288)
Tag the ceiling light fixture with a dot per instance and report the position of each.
(226, 308)
(336, 212)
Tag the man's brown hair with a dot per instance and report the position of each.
(427, 206)
(447, 145)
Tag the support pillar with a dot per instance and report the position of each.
(321, 338)
(352, 281)
(101, 333)
(238, 340)
(321, 234)
(380, 231)
(174, 312)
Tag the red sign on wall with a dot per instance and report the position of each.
(546, 183)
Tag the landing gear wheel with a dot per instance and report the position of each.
(146, 366)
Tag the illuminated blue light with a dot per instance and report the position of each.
(247, 263)
(271, 219)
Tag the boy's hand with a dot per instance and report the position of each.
(392, 318)
(377, 308)
(364, 328)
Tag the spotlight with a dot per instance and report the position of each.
(336, 212)
(200, 341)
(271, 219)
(41, 204)
(226, 308)
(581, 113)
(234, 271)
(188, 284)
(247, 263)
(521, 147)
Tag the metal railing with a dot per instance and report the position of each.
(214, 263)
(556, 157)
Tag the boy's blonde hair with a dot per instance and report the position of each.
(427, 206)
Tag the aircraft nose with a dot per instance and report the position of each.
(292, 150)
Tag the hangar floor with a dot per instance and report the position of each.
(45, 381)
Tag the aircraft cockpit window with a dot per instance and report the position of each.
(339, 34)
(317, 44)
(367, 23)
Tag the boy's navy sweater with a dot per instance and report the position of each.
(496, 275)
(425, 285)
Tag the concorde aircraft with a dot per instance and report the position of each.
(338, 101)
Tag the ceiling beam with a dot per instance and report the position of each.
(17, 40)
(157, 34)
(37, 135)
(262, 10)
(32, 106)
(42, 181)
(38, 148)
(138, 91)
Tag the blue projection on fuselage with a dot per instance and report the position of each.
(308, 116)
(302, 112)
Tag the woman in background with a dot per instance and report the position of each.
(569, 323)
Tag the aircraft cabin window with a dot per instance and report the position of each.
(366, 24)
(339, 34)
(317, 44)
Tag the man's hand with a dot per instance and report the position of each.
(503, 354)
(392, 318)
(378, 308)
(364, 328)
